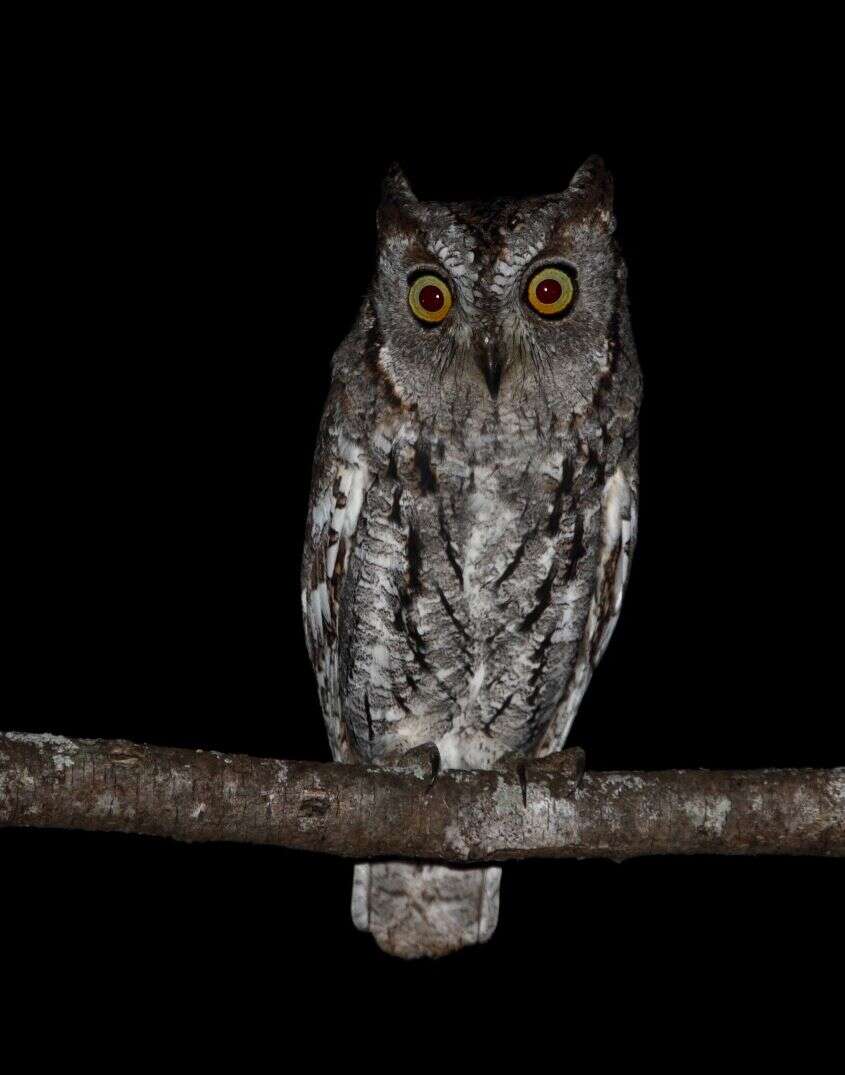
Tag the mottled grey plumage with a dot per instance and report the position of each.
(473, 512)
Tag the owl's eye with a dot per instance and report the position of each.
(430, 299)
(550, 291)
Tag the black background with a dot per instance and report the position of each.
(214, 247)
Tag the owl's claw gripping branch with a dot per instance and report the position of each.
(563, 771)
(566, 768)
(422, 762)
(410, 810)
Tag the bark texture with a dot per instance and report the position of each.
(411, 811)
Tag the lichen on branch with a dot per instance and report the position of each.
(51, 781)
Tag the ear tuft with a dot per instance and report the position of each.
(591, 190)
(396, 187)
(397, 211)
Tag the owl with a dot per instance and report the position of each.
(473, 508)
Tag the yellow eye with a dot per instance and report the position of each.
(430, 299)
(550, 291)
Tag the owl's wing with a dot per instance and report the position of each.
(617, 537)
(338, 490)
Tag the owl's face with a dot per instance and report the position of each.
(510, 303)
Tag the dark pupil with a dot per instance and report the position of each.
(431, 298)
(549, 291)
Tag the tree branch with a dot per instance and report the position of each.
(410, 811)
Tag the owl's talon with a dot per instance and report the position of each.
(566, 768)
(570, 762)
(422, 762)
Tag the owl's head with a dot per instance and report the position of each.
(499, 303)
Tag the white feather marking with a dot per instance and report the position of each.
(316, 613)
(323, 597)
(618, 528)
(331, 559)
(361, 896)
(475, 684)
(322, 513)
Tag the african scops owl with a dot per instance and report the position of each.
(473, 508)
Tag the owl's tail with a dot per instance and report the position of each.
(416, 910)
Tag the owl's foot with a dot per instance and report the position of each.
(566, 764)
(422, 762)
(564, 770)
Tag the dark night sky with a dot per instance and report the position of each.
(161, 480)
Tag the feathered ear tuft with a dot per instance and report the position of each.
(396, 187)
(398, 203)
(590, 192)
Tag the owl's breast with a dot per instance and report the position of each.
(468, 592)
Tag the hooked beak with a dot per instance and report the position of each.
(490, 364)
